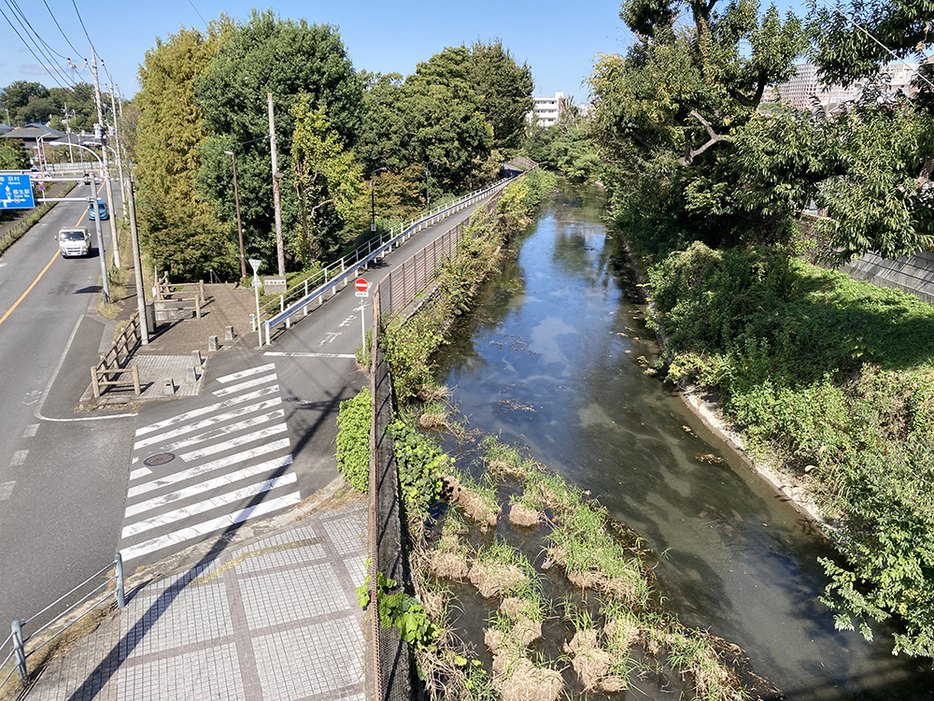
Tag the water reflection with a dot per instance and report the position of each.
(556, 359)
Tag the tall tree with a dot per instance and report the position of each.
(505, 91)
(668, 114)
(328, 181)
(180, 232)
(286, 58)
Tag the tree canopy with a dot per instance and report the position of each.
(33, 102)
(287, 58)
(180, 232)
(668, 115)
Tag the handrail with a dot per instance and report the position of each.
(18, 648)
(349, 269)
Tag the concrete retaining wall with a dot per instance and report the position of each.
(913, 274)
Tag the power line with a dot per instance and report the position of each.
(197, 12)
(898, 58)
(81, 21)
(43, 61)
(55, 19)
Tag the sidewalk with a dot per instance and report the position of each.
(169, 358)
(274, 618)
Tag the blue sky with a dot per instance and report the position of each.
(558, 40)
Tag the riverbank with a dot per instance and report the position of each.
(824, 386)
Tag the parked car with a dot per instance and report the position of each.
(103, 209)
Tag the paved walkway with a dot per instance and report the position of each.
(172, 364)
(274, 618)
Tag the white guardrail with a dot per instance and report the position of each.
(340, 272)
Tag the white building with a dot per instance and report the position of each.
(547, 110)
(804, 88)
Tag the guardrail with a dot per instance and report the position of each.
(340, 272)
(112, 365)
(17, 643)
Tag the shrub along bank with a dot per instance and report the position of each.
(833, 378)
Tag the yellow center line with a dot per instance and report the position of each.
(29, 289)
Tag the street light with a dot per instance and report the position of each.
(237, 204)
(88, 180)
(373, 199)
(134, 238)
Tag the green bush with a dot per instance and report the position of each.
(353, 439)
(835, 378)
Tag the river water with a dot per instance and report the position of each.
(554, 359)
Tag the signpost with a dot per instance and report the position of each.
(16, 191)
(362, 290)
(257, 283)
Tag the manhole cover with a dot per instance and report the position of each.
(158, 459)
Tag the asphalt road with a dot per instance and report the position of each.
(64, 476)
(60, 483)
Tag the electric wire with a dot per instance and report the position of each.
(140, 132)
(47, 61)
(197, 13)
(64, 36)
(81, 21)
(898, 58)
(44, 61)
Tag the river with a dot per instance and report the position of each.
(555, 358)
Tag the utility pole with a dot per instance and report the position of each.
(233, 158)
(100, 120)
(71, 157)
(101, 253)
(113, 108)
(137, 263)
(280, 250)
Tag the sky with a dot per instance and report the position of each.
(557, 40)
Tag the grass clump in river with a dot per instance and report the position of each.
(610, 634)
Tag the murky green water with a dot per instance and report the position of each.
(554, 359)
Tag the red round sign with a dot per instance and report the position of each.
(361, 285)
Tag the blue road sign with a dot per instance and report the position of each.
(16, 191)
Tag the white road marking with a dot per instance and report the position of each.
(31, 431)
(288, 354)
(215, 502)
(235, 459)
(234, 442)
(222, 431)
(198, 425)
(329, 338)
(19, 457)
(6, 488)
(246, 373)
(348, 321)
(195, 413)
(233, 389)
(206, 486)
(208, 527)
(141, 472)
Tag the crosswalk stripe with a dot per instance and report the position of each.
(215, 502)
(234, 443)
(141, 472)
(204, 423)
(219, 464)
(233, 389)
(206, 486)
(225, 430)
(194, 413)
(246, 373)
(208, 527)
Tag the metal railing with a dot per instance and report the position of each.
(18, 654)
(339, 273)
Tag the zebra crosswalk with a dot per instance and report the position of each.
(204, 471)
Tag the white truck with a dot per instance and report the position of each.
(74, 242)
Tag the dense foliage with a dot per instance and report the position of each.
(834, 377)
(668, 114)
(179, 231)
(353, 439)
(33, 102)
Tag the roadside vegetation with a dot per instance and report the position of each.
(831, 380)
